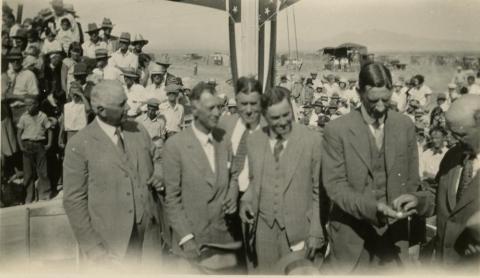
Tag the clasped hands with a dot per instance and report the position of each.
(402, 207)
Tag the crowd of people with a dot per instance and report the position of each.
(145, 160)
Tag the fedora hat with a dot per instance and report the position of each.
(130, 72)
(124, 37)
(163, 62)
(173, 88)
(107, 23)
(139, 38)
(45, 14)
(217, 258)
(57, 3)
(101, 53)
(295, 263)
(92, 27)
(69, 8)
(19, 33)
(156, 69)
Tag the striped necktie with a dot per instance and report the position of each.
(278, 148)
(120, 142)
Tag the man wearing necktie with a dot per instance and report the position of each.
(282, 199)
(109, 173)
(196, 165)
(369, 159)
(457, 200)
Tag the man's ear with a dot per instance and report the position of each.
(100, 110)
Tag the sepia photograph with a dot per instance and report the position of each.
(240, 137)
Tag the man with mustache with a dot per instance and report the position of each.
(282, 200)
(369, 159)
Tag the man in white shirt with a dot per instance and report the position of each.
(317, 112)
(196, 167)
(399, 96)
(89, 47)
(157, 87)
(331, 86)
(103, 69)
(420, 91)
(173, 111)
(135, 93)
(60, 13)
(122, 58)
(473, 88)
(430, 159)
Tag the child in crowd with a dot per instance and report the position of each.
(65, 35)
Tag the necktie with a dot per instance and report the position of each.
(377, 134)
(466, 178)
(278, 148)
(120, 142)
(211, 153)
(241, 155)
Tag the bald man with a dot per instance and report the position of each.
(108, 181)
(457, 198)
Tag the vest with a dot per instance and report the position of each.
(379, 168)
(272, 189)
(138, 199)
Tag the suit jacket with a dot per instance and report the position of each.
(194, 194)
(347, 178)
(229, 122)
(452, 215)
(98, 196)
(301, 183)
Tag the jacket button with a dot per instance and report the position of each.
(399, 174)
(130, 211)
(128, 193)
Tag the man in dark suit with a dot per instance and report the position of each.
(196, 168)
(457, 200)
(369, 159)
(282, 199)
(108, 178)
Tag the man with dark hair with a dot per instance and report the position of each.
(282, 199)
(370, 158)
(196, 175)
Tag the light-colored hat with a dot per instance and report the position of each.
(452, 86)
(130, 72)
(107, 23)
(124, 37)
(139, 38)
(163, 62)
(343, 80)
(57, 3)
(46, 14)
(295, 263)
(29, 61)
(92, 27)
(153, 102)
(156, 69)
(232, 103)
(69, 8)
(173, 88)
(101, 53)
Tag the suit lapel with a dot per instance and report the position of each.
(292, 154)
(359, 140)
(470, 194)
(100, 135)
(131, 148)
(390, 139)
(453, 179)
(199, 157)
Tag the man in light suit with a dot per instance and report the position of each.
(196, 169)
(108, 178)
(370, 159)
(457, 200)
(282, 199)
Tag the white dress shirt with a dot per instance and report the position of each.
(420, 94)
(127, 60)
(206, 141)
(243, 177)
(173, 115)
(109, 130)
(89, 48)
(430, 163)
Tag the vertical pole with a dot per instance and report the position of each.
(288, 35)
(295, 32)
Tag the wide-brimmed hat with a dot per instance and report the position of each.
(343, 80)
(335, 96)
(57, 3)
(318, 102)
(352, 80)
(212, 82)
(295, 263)
(80, 69)
(156, 69)
(92, 27)
(130, 72)
(125, 37)
(101, 53)
(69, 8)
(19, 33)
(442, 96)
(218, 258)
(232, 103)
(107, 23)
(163, 62)
(173, 88)
(153, 102)
(139, 38)
(46, 14)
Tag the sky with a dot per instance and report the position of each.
(183, 27)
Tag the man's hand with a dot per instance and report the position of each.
(472, 249)
(405, 205)
(156, 183)
(246, 213)
(191, 249)
(386, 210)
(229, 205)
(48, 146)
(313, 245)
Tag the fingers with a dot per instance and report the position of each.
(398, 202)
(409, 205)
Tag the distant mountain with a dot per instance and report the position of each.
(381, 40)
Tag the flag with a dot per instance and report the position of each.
(267, 40)
(215, 4)
(285, 3)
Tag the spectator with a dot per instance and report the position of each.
(172, 110)
(473, 88)
(430, 159)
(420, 91)
(154, 123)
(74, 56)
(135, 93)
(112, 42)
(35, 138)
(122, 58)
(94, 43)
(399, 96)
(138, 43)
(65, 35)
(51, 43)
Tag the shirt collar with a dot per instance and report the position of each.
(201, 136)
(147, 118)
(369, 119)
(107, 128)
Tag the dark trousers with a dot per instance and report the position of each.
(35, 165)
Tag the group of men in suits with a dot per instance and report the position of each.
(260, 184)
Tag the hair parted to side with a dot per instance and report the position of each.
(374, 75)
(198, 90)
(273, 96)
(248, 85)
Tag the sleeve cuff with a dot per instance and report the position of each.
(185, 239)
